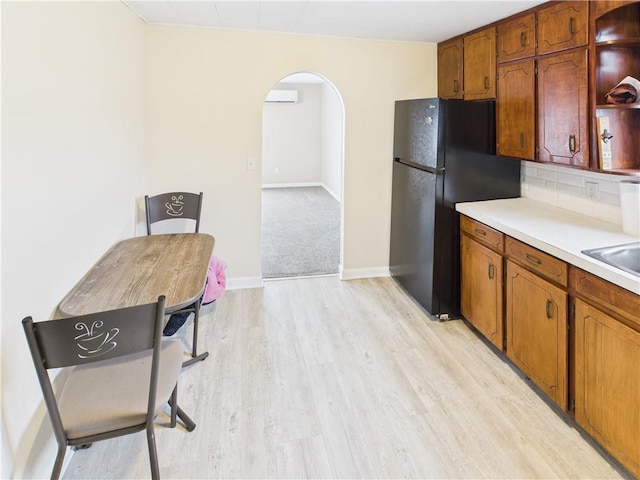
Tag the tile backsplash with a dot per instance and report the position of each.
(570, 188)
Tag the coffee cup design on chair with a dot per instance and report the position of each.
(174, 208)
(94, 343)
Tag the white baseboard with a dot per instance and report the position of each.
(309, 184)
(292, 185)
(373, 272)
(332, 193)
(244, 282)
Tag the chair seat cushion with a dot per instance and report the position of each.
(114, 394)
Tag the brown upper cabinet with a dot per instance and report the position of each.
(480, 65)
(515, 110)
(562, 109)
(562, 26)
(517, 38)
(450, 69)
(578, 51)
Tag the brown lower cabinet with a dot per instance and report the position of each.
(595, 364)
(606, 366)
(607, 383)
(481, 287)
(536, 327)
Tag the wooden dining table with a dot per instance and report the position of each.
(138, 270)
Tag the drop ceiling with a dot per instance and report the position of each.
(426, 21)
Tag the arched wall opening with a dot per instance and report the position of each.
(302, 177)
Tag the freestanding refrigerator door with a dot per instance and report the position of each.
(412, 232)
(416, 133)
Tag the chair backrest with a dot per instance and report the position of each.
(173, 205)
(93, 338)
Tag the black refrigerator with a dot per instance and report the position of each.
(443, 153)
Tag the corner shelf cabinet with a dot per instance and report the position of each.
(615, 54)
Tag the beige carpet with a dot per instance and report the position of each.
(300, 232)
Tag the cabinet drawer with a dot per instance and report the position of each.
(623, 303)
(483, 234)
(543, 264)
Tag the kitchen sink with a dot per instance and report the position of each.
(625, 257)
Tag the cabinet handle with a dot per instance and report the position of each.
(523, 39)
(532, 259)
(455, 86)
(571, 25)
(549, 309)
(521, 140)
(572, 143)
(482, 233)
(486, 82)
(491, 271)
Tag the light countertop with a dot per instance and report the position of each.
(556, 231)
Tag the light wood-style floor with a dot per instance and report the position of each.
(322, 378)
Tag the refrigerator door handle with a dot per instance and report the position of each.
(409, 163)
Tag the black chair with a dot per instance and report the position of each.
(123, 375)
(173, 205)
(178, 205)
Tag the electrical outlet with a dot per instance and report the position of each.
(592, 190)
(276, 171)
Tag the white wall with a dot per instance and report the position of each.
(205, 97)
(99, 109)
(291, 140)
(72, 167)
(332, 132)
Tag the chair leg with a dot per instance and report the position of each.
(173, 401)
(177, 411)
(194, 350)
(188, 423)
(153, 454)
(57, 466)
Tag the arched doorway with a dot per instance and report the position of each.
(302, 178)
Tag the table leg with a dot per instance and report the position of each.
(194, 351)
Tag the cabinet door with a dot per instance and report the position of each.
(607, 383)
(481, 287)
(536, 329)
(450, 69)
(563, 26)
(516, 110)
(480, 65)
(562, 109)
(516, 38)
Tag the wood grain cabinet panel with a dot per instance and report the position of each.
(482, 233)
(516, 110)
(541, 263)
(563, 133)
(517, 38)
(480, 65)
(536, 331)
(450, 69)
(481, 287)
(562, 26)
(607, 383)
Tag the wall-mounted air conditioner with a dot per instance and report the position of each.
(282, 96)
